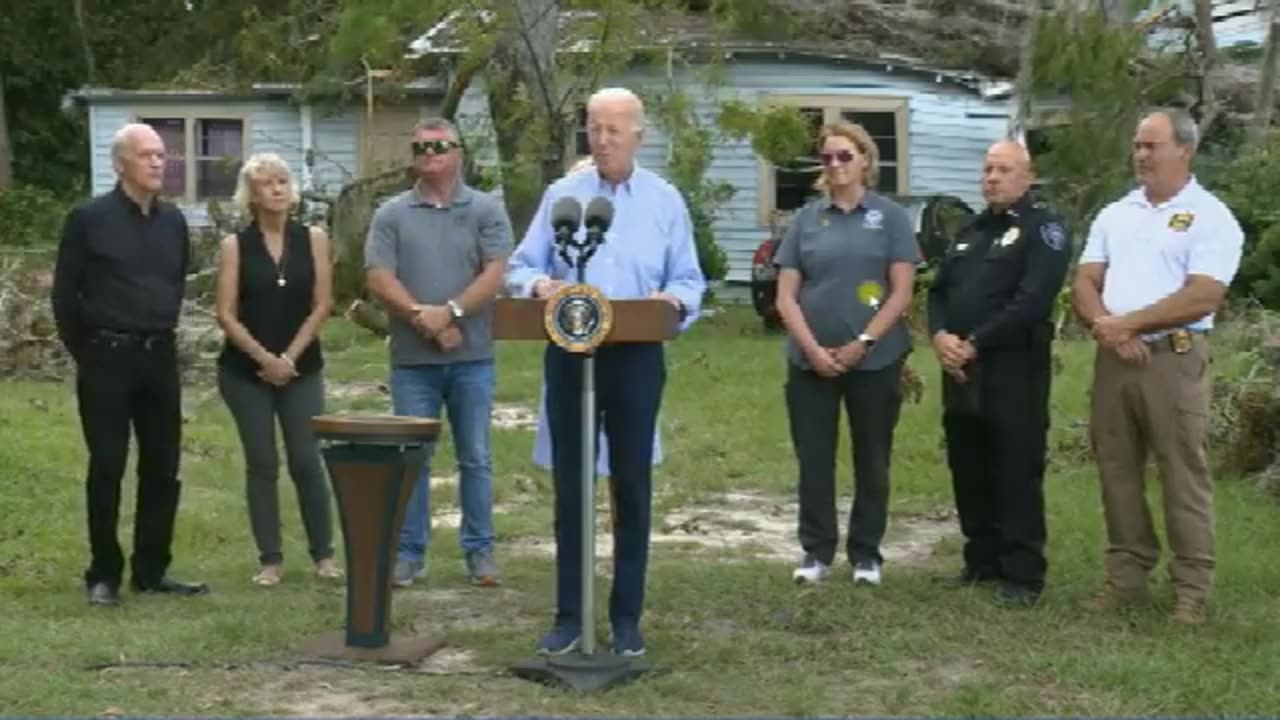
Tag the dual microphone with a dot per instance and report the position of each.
(567, 215)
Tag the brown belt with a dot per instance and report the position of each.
(1178, 341)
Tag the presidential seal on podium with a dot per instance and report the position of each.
(578, 318)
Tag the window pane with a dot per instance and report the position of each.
(883, 129)
(173, 132)
(581, 146)
(888, 178)
(220, 149)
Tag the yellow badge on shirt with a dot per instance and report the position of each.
(1010, 237)
(1180, 221)
(870, 293)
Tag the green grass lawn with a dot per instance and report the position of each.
(733, 635)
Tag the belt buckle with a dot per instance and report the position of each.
(1180, 341)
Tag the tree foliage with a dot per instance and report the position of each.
(1238, 185)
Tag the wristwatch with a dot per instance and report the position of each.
(868, 340)
(455, 309)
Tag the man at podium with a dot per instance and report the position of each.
(648, 252)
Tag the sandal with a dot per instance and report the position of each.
(268, 576)
(328, 570)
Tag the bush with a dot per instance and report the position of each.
(31, 217)
(1242, 185)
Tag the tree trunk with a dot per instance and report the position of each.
(1208, 57)
(82, 29)
(1022, 85)
(6, 148)
(1267, 83)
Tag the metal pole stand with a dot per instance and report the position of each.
(586, 669)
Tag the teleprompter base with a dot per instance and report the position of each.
(399, 650)
(583, 673)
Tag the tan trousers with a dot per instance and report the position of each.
(1159, 410)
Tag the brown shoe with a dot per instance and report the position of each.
(1189, 612)
(1113, 598)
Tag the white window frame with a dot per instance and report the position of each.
(833, 107)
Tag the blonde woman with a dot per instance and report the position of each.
(846, 268)
(273, 296)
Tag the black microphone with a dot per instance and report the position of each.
(599, 217)
(566, 214)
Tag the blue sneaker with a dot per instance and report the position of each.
(562, 639)
(627, 641)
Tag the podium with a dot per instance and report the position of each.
(373, 463)
(625, 321)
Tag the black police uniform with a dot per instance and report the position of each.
(997, 287)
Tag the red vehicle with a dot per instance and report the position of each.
(937, 219)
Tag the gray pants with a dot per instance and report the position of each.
(255, 405)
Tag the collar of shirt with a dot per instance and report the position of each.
(1017, 208)
(1138, 196)
(610, 189)
(123, 197)
(462, 194)
(826, 204)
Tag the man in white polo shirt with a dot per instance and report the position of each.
(1154, 270)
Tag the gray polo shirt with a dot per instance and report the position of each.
(436, 252)
(843, 259)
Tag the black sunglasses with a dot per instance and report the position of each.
(433, 147)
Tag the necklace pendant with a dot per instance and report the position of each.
(280, 281)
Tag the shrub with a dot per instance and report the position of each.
(31, 217)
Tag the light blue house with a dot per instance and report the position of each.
(932, 127)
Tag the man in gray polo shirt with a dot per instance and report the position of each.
(435, 257)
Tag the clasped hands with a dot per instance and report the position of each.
(277, 370)
(830, 362)
(1117, 334)
(435, 322)
(954, 353)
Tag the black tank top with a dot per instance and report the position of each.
(274, 300)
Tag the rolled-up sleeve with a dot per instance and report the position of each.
(1095, 247)
(684, 278)
(531, 260)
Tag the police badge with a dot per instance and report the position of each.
(1181, 221)
(578, 318)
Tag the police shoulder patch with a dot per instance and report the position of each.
(1054, 235)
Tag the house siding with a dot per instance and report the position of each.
(948, 131)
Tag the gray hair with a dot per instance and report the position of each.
(123, 138)
(254, 167)
(616, 94)
(438, 123)
(1186, 132)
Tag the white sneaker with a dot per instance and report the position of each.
(866, 572)
(812, 571)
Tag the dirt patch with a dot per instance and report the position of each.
(510, 416)
(746, 525)
(505, 416)
(357, 390)
(325, 699)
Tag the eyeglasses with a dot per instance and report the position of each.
(433, 147)
(844, 156)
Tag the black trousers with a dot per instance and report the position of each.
(872, 401)
(996, 428)
(127, 383)
(629, 383)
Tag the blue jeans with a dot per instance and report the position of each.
(465, 390)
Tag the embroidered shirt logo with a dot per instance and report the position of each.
(1181, 221)
(874, 220)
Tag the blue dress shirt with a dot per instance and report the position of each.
(649, 246)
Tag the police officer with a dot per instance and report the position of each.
(990, 311)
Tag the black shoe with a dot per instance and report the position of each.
(169, 586)
(101, 593)
(1011, 595)
(966, 578)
